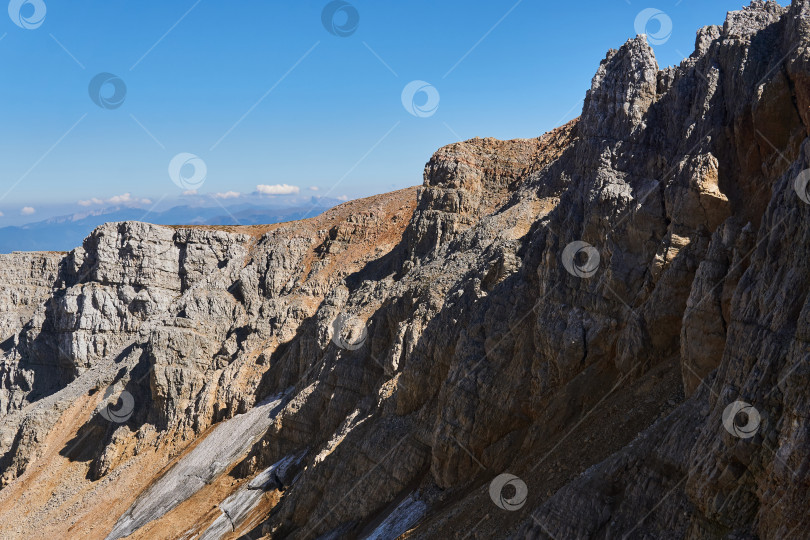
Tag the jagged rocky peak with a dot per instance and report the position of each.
(601, 332)
(622, 91)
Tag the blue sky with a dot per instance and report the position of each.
(264, 94)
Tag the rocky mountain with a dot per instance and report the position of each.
(603, 333)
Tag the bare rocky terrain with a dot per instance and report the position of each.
(616, 315)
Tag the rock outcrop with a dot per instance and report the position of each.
(26, 280)
(598, 333)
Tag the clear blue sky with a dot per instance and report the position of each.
(320, 122)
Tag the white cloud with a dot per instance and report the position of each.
(227, 195)
(343, 198)
(190, 192)
(27, 211)
(1, 214)
(125, 199)
(91, 201)
(120, 199)
(277, 189)
(314, 188)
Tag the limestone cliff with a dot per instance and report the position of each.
(599, 333)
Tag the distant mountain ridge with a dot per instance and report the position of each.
(63, 233)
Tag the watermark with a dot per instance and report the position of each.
(513, 502)
(580, 259)
(645, 24)
(349, 332)
(187, 171)
(28, 14)
(420, 99)
(801, 185)
(123, 412)
(108, 91)
(741, 419)
(340, 18)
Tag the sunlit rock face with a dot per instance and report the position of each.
(598, 333)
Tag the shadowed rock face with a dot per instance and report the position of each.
(370, 372)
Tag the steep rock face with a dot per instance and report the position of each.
(578, 310)
(688, 475)
(26, 280)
